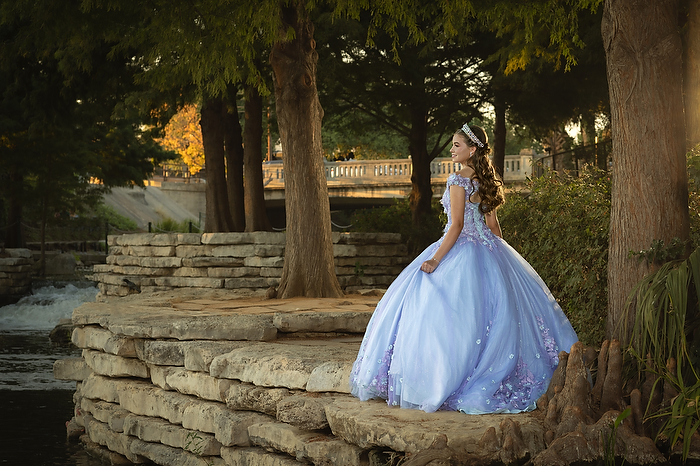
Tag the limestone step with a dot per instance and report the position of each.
(282, 365)
(169, 456)
(313, 447)
(109, 413)
(480, 437)
(115, 366)
(156, 430)
(101, 434)
(71, 369)
(256, 457)
(98, 338)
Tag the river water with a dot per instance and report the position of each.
(34, 407)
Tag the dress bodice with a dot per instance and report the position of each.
(475, 228)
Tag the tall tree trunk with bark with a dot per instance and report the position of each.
(421, 195)
(233, 148)
(691, 79)
(499, 135)
(218, 214)
(255, 214)
(308, 263)
(650, 186)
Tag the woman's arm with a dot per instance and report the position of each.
(492, 222)
(457, 202)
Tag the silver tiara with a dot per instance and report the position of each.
(468, 131)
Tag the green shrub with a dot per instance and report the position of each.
(168, 225)
(561, 229)
(693, 158)
(116, 220)
(397, 218)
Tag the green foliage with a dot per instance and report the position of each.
(666, 326)
(610, 443)
(168, 225)
(396, 218)
(660, 253)
(665, 314)
(561, 229)
(363, 137)
(682, 417)
(115, 220)
(693, 164)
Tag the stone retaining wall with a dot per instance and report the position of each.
(154, 262)
(15, 275)
(253, 383)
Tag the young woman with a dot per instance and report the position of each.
(468, 325)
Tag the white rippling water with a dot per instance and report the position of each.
(45, 307)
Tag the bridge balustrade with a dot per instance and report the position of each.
(397, 169)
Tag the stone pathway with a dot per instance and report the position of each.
(177, 378)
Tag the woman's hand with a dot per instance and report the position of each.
(429, 265)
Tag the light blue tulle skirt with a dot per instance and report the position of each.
(481, 334)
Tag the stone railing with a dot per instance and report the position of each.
(253, 261)
(395, 169)
(15, 275)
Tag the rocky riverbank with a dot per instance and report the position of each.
(182, 379)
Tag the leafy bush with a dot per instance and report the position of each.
(168, 225)
(693, 158)
(116, 220)
(561, 229)
(397, 218)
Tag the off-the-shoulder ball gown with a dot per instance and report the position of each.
(481, 334)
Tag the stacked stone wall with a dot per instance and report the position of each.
(254, 261)
(15, 274)
(253, 382)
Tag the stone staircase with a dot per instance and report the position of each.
(182, 379)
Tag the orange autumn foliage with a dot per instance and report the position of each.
(183, 135)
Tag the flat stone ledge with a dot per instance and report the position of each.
(199, 384)
(256, 457)
(112, 326)
(101, 434)
(156, 430)
(373, 423)
(228, 426)
(71, 369)
(115, 366)
(166, 322)
(306, 410)
(277, 365)
(248, 397)
(305, 446)
(351, 321)
(109, 413)
(101, 339)
(169, 456)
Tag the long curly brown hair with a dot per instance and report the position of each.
(490, 184)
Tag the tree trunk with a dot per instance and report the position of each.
(499, 136)
(308, 264)
(650, 186)
(218, 214)
(692, 75)
(421, 195)
(255, 213)
(233, 147)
